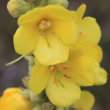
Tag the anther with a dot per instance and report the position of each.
(52, 68)
(66, 76)
(65, 67)
(44, 24)
(54, 81)
(80, 33)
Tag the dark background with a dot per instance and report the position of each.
(11, 76)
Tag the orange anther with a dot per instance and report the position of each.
(54, 81)
(80, 33)
(52, 68)
(66, 76)
(65, 67)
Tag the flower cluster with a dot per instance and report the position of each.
(66, 53)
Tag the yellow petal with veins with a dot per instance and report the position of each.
(81, 11)
(100, 75)
(63, 93)
(50, 50)
(85, 102)
(25, 39)
(39, 78)
(47, 12)
(66, 30)
(86, 33)
(81, 59)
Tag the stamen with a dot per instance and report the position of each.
(52, 68)
(80, 33)
(66, 76)
(44, 24)
(65, 67)
(54, 81)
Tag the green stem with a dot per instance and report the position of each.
(14, 61)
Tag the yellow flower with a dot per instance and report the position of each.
(47, 32)
(85, 102)
(88, 28)
(62, 80)
(13, 100)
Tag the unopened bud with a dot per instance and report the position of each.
(64, 3)
(18, 7)
(38, 107)
(37, 98)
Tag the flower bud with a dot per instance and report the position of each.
(64, 3)
(37, 98)
(38, 107)
(13, 100)
(18, 7)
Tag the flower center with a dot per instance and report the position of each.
(62, 68)
(44, 25)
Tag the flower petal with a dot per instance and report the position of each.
(81, 11)
(63, 93)
(80, 71)
(86, 33)
(50, 50)
(25, 39)
(39, 78)
(100, 76)
(85, 102)
(59, 12)
(84, 49)
(80, 62)
(50, 11)
(66, 30)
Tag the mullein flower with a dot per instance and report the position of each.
(62, 80)
(47, 32)
(88, 29)
(85, 102)
(12, 99)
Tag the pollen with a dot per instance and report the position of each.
(44, 25)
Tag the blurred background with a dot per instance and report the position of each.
(11, 76)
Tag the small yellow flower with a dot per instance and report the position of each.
(62, 80)
(13, 100)
(85, 102)
(89, 30)
(47, 32)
